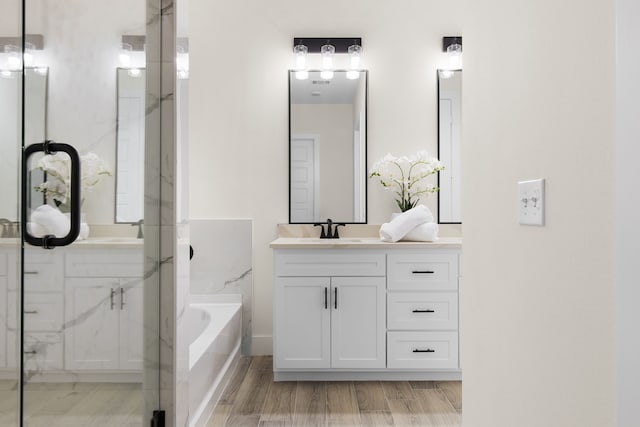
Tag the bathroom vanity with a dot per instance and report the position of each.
(362, 309)
(72, 294)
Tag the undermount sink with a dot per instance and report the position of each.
(333, 241)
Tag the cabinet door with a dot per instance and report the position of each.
(130, 305)
(91, 320)
(302, 323)
(358, 322)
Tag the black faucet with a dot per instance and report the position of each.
(331, 233)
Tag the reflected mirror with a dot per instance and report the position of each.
(449, 145)
(130, 146)
(35, 96)
(328, 148)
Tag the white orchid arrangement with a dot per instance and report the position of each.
(406, 176)
(58, 184)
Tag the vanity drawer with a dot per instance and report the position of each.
(43, 351)
(422, 272)
(331, 263)
(43, 272)
(42, 311)
(422, 310)
(105, 263)
(422, 350)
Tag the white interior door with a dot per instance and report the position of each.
(450, 150)
(305, 172)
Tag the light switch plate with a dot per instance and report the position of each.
(531, 202)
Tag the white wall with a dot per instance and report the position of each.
(240, 52)
(538, 302)
(627, 206)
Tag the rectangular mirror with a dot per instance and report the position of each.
(328, 147)
(130, 146)
(35, 98)
(449, 145)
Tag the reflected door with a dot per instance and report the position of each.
(304, 180)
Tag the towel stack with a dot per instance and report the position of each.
(416, 225)
(46, 219)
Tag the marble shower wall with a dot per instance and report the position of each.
(223, 264)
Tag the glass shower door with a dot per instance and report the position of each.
(88, 342)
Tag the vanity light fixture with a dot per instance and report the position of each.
(12, 57)
(327, 48)
(453, 47)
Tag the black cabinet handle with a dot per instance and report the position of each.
(429, 350)
(423, 311)
(335, 298)
(31, 312)
(32, 352)
(50, 241)
(325, 298)
(423, 272)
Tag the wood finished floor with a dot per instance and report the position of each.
(252, 398)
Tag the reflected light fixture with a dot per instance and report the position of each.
(125, 55)
(354, 52)
(13, 57)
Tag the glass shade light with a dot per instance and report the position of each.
(14, 62)
(327, 52)
(454, 52)
(326, 74)
(300, 51)
(353, 74)
(124, 57)
(354, 56)
(182, 63)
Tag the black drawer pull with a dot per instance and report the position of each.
(31, 312)
(423, 311)
(335, 299)
(30, 272)
(429, 350)
(31, 352)
(423, 272)
(325, 298)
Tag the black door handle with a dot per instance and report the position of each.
(50, 241)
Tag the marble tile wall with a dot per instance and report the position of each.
(223, 263)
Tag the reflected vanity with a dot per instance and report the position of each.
(449, 145)
(327, 148)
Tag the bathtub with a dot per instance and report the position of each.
(214, 333)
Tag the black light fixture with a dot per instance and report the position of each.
(340, 44)
(327, 47)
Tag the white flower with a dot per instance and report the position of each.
(406, 176)
(58, 169)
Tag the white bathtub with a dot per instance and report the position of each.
(214, 333)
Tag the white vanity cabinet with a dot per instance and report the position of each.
(327, 311)
(101, 300)
(366, 310)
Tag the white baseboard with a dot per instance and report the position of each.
(262, 345)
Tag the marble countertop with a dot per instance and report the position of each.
(361, 242)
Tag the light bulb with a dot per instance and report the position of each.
(125, 55)
(455, 56)
(353, 74)
(302, 75)
(326, 74)
(300, 52)
(354, 52)
(327, 52)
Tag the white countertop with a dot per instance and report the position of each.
(360, 242)
(91, 242)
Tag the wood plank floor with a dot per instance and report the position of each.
(252, 398)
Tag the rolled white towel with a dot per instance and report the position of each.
(50, 220)
(427, 232)
(404, 223)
